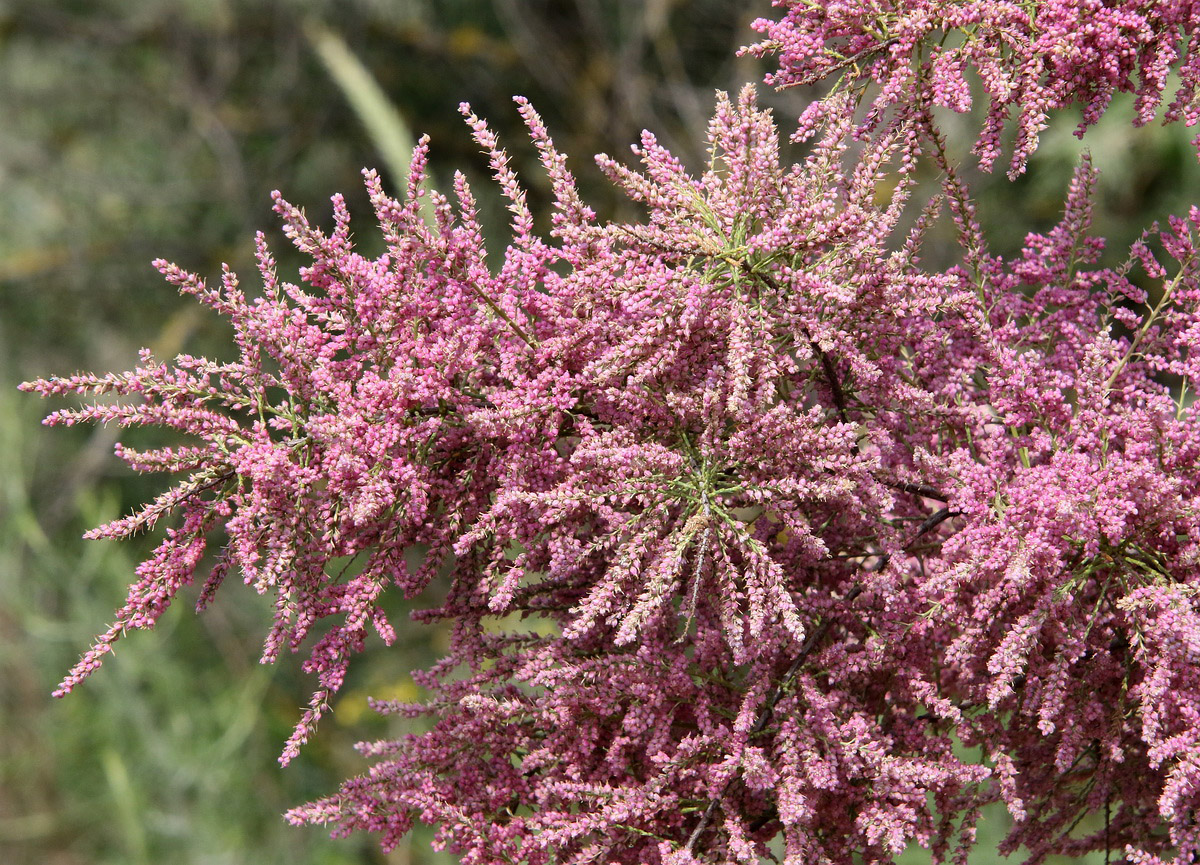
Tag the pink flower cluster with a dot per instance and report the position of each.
(1031, 57)
(749, 522)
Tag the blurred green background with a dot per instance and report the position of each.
(135, 129)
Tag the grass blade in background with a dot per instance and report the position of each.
(382, 121)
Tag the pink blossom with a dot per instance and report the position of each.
(747, 518)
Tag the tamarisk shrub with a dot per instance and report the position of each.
(751, 521)
(1029, 56)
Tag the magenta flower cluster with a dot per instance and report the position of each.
(1027, 57)
(757, 537)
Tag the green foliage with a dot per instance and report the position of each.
(172, 757)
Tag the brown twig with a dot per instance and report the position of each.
(918, 490)
(831, 377)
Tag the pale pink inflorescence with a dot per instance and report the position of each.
(784, 519)
(1029, 58)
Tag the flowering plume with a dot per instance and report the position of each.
(747, 519)
(1032, 57)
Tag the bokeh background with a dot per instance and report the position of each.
(136, 129)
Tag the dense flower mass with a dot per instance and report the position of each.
(1031, 57)
(759, 539)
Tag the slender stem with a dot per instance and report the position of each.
(1145, 328)
(835, 385)
(918, 490)
(495, 307)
